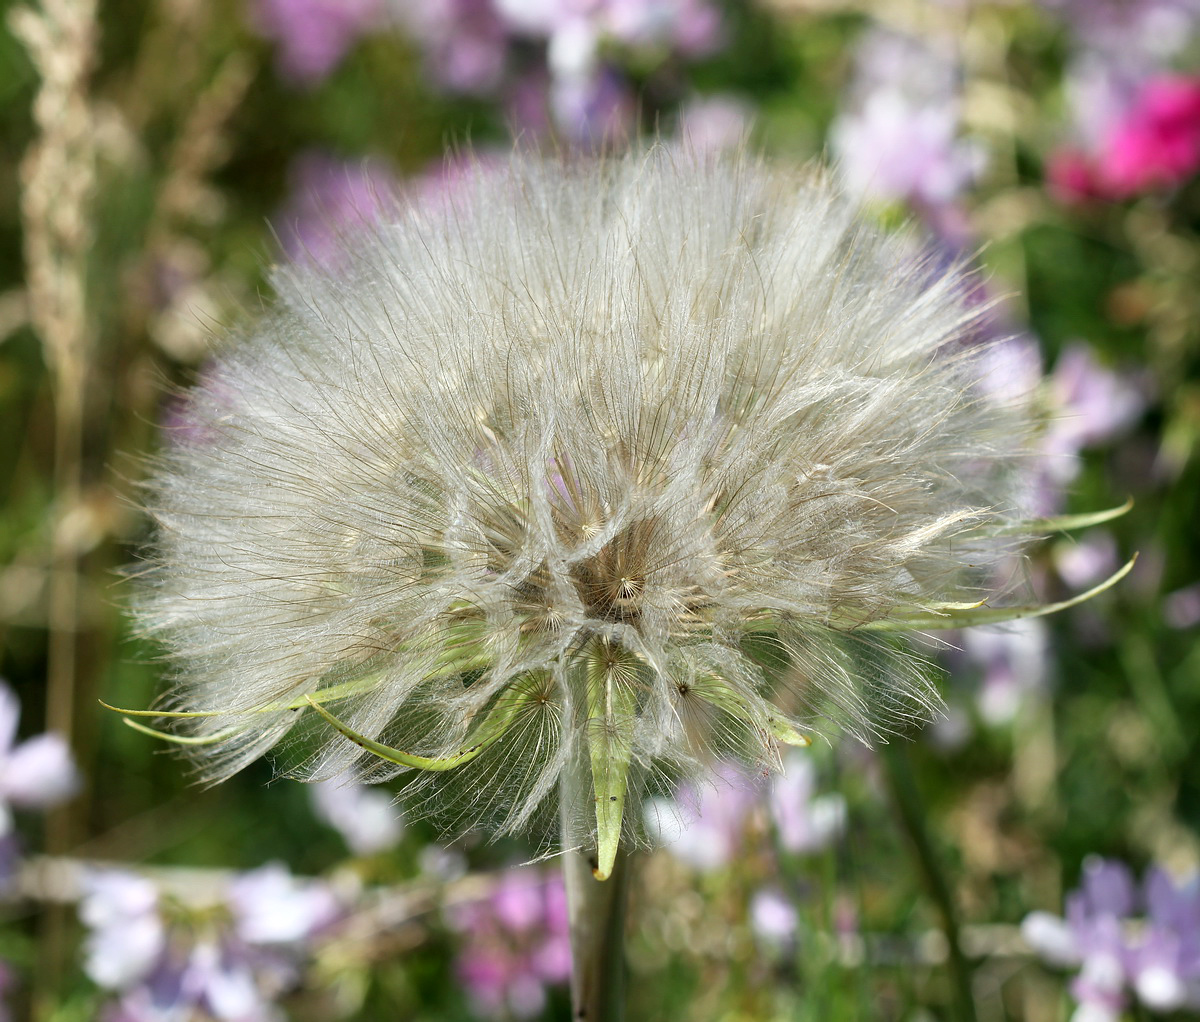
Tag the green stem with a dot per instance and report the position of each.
(911, 810)
(596, 910)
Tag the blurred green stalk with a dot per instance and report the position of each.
(911, 810)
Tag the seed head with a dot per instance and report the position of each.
(608, 466)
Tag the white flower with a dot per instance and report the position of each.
(601, 467)
(34, 774)
(270, 906)
(366, 818)
(126, 936)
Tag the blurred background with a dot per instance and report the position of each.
(1033, 855)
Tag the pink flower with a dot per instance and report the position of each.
(270, 906)
(1153, 143)
(1158, 142)
(515, 943)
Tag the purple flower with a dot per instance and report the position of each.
(898, 139)
(1123, 941)
(1181, 609)
(1089, 405)
(34, 774)
(1088, 560)
(314, 35)
(1096, 402)
(328, 199)
(593, 109)
(468, 47)
(773, 918)
(703, 826)
(1143, 29)
(1014, 661)
(465, 41)
(226, 960)
(712, 123)
(366, 817)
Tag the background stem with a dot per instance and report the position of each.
(909, 808)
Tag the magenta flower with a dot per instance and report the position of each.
(314, 35)
(1157, 144)
(1153, 144)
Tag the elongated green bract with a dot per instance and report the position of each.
(990, 615)
(504, 712)
(611, 706)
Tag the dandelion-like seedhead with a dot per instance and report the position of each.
(607, 466)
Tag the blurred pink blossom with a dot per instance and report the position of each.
(710, 124)
(270, 906)
(515, 943)
(773, 917)
(1092, 403)
(1181, 608)
(898, 137)
(804, 821)
(1014, 660)
(1153, 143)
(1087, 560)
(465, 42)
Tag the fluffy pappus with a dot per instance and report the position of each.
(604, 466)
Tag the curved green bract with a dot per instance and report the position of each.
(990, 615)
(328, 694)
(504, 712)
(166, 736)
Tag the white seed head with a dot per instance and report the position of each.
(606, 462)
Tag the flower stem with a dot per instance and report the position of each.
(911, 810)
(596, 910)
